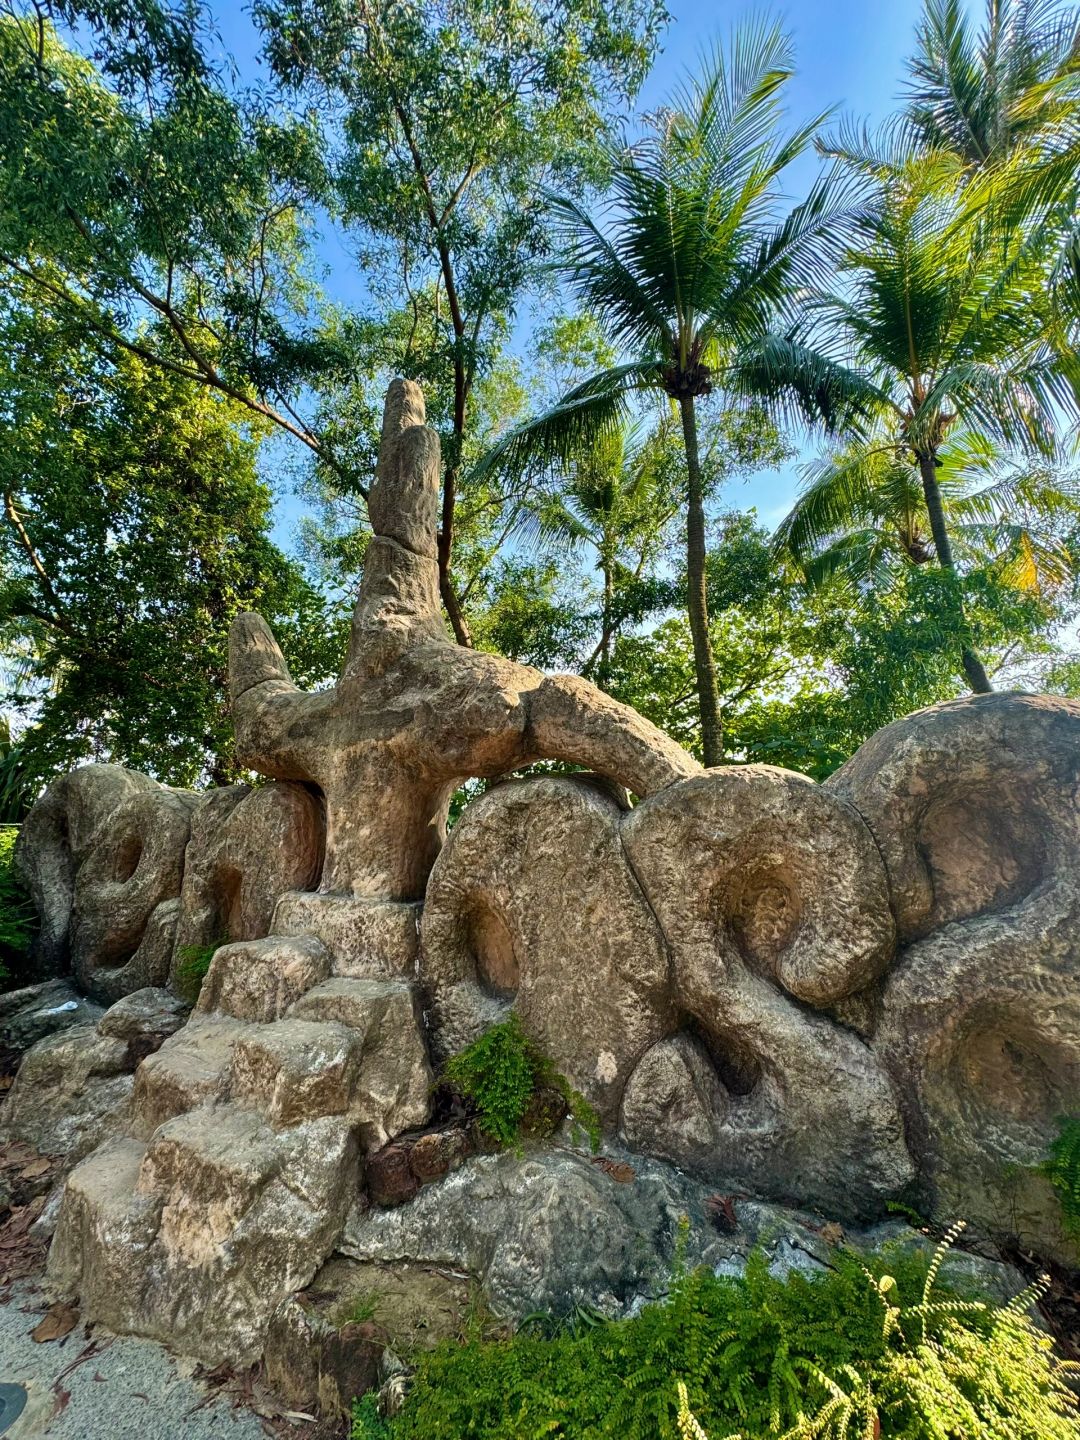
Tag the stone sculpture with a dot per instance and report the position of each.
(827, 996)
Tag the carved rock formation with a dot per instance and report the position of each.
(974, 807)
(412, 714)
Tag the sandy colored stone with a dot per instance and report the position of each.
(392, 1091)
(136, 864)
(260, 979)
(196, 1239)
(675, 1104)
(973, 804)
(61, 829)
(367, 939)
(414, 714)
(532, 902)
(191, 1067)
(771, 895)
(293, 1070)
(247, 847)
(72, 1091)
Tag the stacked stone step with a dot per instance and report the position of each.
(249, 1127)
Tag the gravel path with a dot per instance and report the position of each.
(123, 1390)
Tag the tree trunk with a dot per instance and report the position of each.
(712, 737)
(972, 666)
(459, 624)
(604, 668)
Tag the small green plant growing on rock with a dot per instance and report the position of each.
(1062, 1166)
(16, 911)
(502, 1073)
(193, 967)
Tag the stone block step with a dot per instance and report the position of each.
(367, 939)
(294, 1070)
(392, 1092)
(191, 1067)
(260, 979)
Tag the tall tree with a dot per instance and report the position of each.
(687, 268)
(442, 123)
(134, 526)
(939, 321)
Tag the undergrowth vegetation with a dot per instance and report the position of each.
(16, 911)
(502, 1076)
(862, 1352)
(193, 966)
(1063, 1168)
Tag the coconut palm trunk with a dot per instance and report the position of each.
(712, 735)
(973, 667)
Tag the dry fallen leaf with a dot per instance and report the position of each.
(37, 1167)
(832, 1233)
(59, 1320)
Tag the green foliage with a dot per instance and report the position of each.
(833, 1356)
(1062, 1165)
(17, 917)
(193, 967)
(500, 1073)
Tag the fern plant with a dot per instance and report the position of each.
(500, 1073)
(1062, 1165)
(193, 966)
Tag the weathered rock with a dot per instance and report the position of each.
(29, 1014)
(367, 939)
(144, 1020)
(190, 1067)
(294, 1070)
(785, 900)
(247, 847)
(197, 1239)
(119, 939)
(260, 979)
(392, 1090)
(532, 900)
(413, 714)
(675, 1104)
(72, 1092)
(319, 1357)
(394, 1173)
(390, 1180)
(62, 828)
(973, 804)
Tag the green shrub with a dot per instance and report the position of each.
(17, 919)
(1063, 1167)
(193, 965)
(499, 1075)
(856, 1353)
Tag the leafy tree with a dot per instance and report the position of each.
(862, 512)
(939, 322)
(442, 122)
(134, 527)
(688, 268)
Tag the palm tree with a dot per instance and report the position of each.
(940, 322)
(690, 264)
(862, 514)
(616, 502)
(982, 95)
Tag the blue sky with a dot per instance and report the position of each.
(850, 54)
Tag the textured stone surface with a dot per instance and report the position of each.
(260, 979)
(974, 806)
(413, 714)
(144, 1020)
(532, 901)
(247, 847)
(196, 1239)
(294, 1070)
(56, 837)
(116, 946)
(191, 1067)
(783, 900)
(72, 1092)
(366, 939)
(392, 1091)
(29, 1014)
